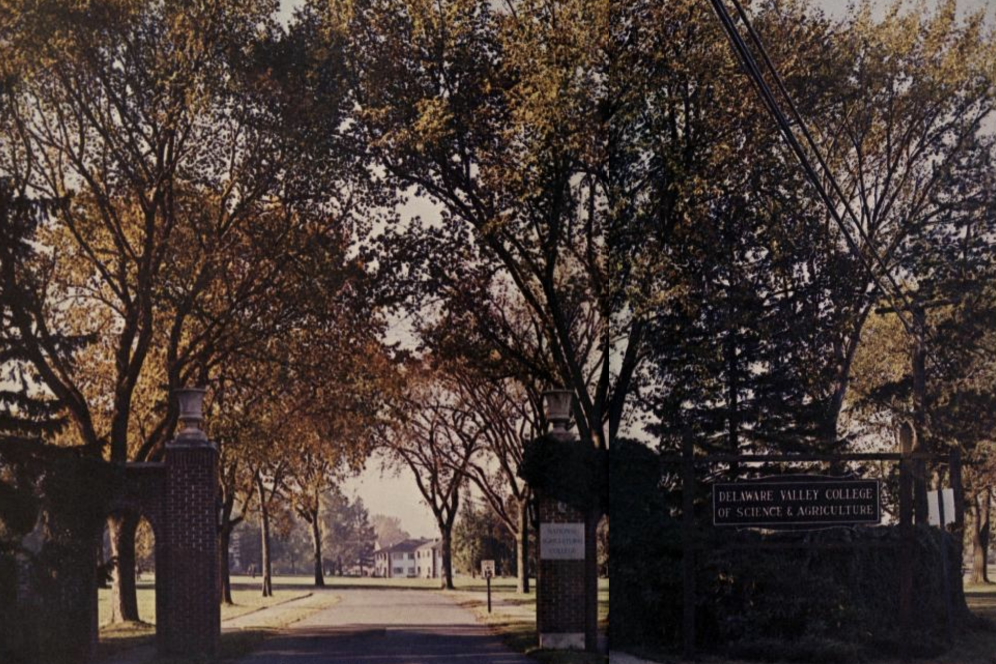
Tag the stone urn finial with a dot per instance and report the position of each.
(557, 408)
(191, 401)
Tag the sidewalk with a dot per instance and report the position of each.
(277, 615)
(272, 617)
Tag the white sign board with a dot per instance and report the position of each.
(487, 568)
(933, 511)
(562, 541)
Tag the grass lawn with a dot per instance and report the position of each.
(516, 624)
(982, 600)
(115, 638)
(247, 598)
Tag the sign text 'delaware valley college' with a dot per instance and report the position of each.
(794, 502)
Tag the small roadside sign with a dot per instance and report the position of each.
(487, 568)
(488, 571)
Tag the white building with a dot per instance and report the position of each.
(398, 561)
(429, 560)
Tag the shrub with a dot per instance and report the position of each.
(804, 604)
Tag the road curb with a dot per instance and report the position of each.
(268, 606)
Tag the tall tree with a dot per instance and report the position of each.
(506, 416)
(350, 536)
(479, 535)
(904, 137)
(524, 124)
(190, 224)
(269, 481)
(758, 347)
(30, 419)
(236, 429)
(433, 436)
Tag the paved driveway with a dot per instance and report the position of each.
(387, 626)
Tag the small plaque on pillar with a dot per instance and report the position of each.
(562, 541)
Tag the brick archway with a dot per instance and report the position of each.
(179, 499)
(141, 495)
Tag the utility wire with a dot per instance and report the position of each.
(757, 78)
(815, 149)
(797, 116)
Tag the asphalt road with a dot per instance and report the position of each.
(387, 626)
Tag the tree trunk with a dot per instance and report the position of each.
(980, 537)
(316, 539)
(447, 537)
(264, 514)
(733, 402)
(844, 352)
(922, 443)
(522, 548)
(224, 573)
(124, 597)
(101, 564)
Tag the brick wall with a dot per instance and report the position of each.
(560, 585)
(192, 614)
(57, 588)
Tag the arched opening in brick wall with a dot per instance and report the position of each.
(142, 542)
(167, 515)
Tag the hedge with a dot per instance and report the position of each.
(813, 605)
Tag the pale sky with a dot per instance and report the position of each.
(386, 492)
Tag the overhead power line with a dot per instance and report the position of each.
(816, 151)
(754, 72)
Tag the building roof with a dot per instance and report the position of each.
(430, 545)
(405, 546)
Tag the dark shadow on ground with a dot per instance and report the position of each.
(412, 644)
(982, 603)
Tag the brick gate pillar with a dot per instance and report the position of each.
(560, 584)
(560, 600)
(192, 621)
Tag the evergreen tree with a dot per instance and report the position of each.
(29, 418)
(349, 535)
(479, 535)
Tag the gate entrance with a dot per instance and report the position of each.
(178, 498)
